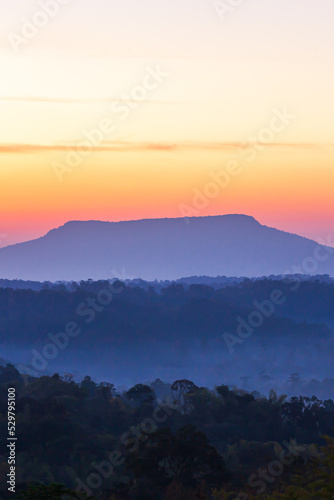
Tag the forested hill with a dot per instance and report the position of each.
(163, 442)
(139, 333)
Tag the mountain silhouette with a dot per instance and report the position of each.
(230, 245)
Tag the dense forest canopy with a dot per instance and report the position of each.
(147, 392)
(134, 331)
(163, 441)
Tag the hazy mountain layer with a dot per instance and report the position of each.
(231, 245)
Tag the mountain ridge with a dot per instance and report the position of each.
(165, 248)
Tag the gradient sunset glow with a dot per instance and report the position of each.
(223, 81)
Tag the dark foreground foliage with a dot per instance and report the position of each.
(191, 444)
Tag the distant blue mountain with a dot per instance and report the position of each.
(164, 249)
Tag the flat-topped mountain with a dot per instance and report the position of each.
(230, 245)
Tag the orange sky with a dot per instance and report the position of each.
(178, 93)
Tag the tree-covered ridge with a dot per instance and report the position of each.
(163, 441)
(137, 330)
(190, 307)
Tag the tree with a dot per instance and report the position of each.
(141, 393)
(316, 482)
(224, 392)
(89, 385)
(9, 375)
(185, 456)
(182, 387)
(107, 390)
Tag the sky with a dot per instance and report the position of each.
(127, 110)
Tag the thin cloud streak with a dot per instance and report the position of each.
(123, 146)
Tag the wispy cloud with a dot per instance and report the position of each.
(204, 146)
(170, 146)
(124, 146)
